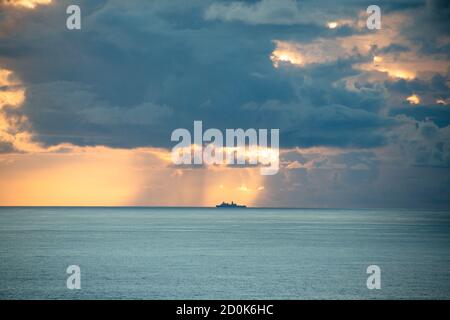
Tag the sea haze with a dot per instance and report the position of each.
(209, 253)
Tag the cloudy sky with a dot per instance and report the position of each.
(86, 115)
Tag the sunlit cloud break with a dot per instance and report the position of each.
(29, 4)
(231, 150)
(413, 99)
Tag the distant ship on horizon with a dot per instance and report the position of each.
(230, 205)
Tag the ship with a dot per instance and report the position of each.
(230, 205)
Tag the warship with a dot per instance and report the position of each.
(230, 205)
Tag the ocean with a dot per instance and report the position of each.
(209, 253)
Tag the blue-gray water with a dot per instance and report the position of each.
(168, 253)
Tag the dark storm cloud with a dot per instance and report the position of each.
(430, 92)
(138, 70)
(429, 26)
(440, 115)
(175, 67)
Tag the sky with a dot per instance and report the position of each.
(86, 115)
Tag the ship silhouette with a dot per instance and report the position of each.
(230, 205)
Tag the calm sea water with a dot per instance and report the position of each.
(168, 253)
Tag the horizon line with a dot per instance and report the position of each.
(214, 207)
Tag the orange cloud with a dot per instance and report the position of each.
(29, 4)
(406, 65)
(11, 91)
(12, 95)
(286, 52)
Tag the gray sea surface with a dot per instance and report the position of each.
(201, 253)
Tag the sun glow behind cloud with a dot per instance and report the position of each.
(102, 176)
(413, 99)
(29, 4)
(332, 25)
(286, 52)
(64, 174)
(252, 155)
(32, 174)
